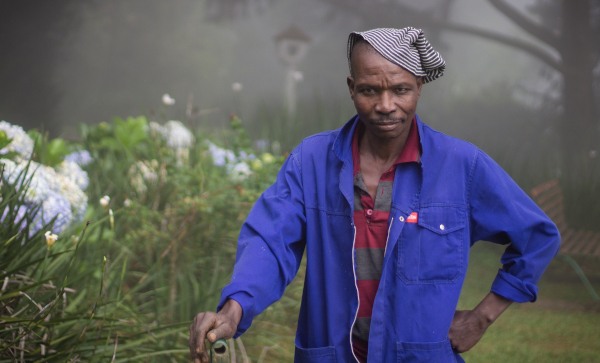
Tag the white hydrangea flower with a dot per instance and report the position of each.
(21, 143)
(157, 128)
(177, 135)
(142, 174)
(239, 171)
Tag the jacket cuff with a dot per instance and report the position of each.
(245, 302)
(514, 289)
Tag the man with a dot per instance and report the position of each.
(387, 209)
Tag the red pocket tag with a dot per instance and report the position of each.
(413, 218)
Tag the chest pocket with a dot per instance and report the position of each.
(432, 250)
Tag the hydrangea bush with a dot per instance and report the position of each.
(54, 196)
(130, 231)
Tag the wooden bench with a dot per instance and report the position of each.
(574, 242)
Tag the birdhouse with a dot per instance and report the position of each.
(292, 44)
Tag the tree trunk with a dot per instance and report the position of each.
(580, 172)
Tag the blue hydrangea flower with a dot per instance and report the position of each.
(49, 194)
(73, 171)
(220, 156)
(55, 205)
(81, 157)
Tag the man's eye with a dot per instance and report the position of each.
(401, 90)
(367, 91)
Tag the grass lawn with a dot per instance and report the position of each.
(562, 326)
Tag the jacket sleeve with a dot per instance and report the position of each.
(270, 245)
(501, 212)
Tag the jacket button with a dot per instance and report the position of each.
(442, 227)
(401, 219)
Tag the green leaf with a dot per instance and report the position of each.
(4, 139)
(49, 152)
(131, 132)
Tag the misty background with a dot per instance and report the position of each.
(522, 79)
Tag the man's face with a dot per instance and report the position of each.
(385, 95)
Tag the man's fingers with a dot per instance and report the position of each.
(212, 337)
(212, 327)
(222, 330)
(202, 323)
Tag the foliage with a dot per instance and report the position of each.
(157, 246)
(51, 309)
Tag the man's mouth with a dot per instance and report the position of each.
(387, 122)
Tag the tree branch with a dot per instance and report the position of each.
(425, 19)
(527, 47)
(543, 34)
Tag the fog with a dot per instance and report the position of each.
(117, 58)
(63, 63)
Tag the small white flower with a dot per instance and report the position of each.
(168, 100)
(111, 218)
(105, 201)
(50, 238)
(298, 76)
(237, 87)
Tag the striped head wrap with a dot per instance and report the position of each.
(406, 47)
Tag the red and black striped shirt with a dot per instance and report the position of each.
(371, 220)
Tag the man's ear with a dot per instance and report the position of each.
(350, 83)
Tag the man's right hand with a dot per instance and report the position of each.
(213, 326)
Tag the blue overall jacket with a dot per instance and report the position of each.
(460, 196)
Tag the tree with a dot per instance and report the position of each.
(572, 30)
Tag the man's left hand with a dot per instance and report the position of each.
(466, 330)
(468, 326)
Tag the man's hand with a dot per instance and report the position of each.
(466, 330)
(468, 326)
(213, 326)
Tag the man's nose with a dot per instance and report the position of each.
(385, 103)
